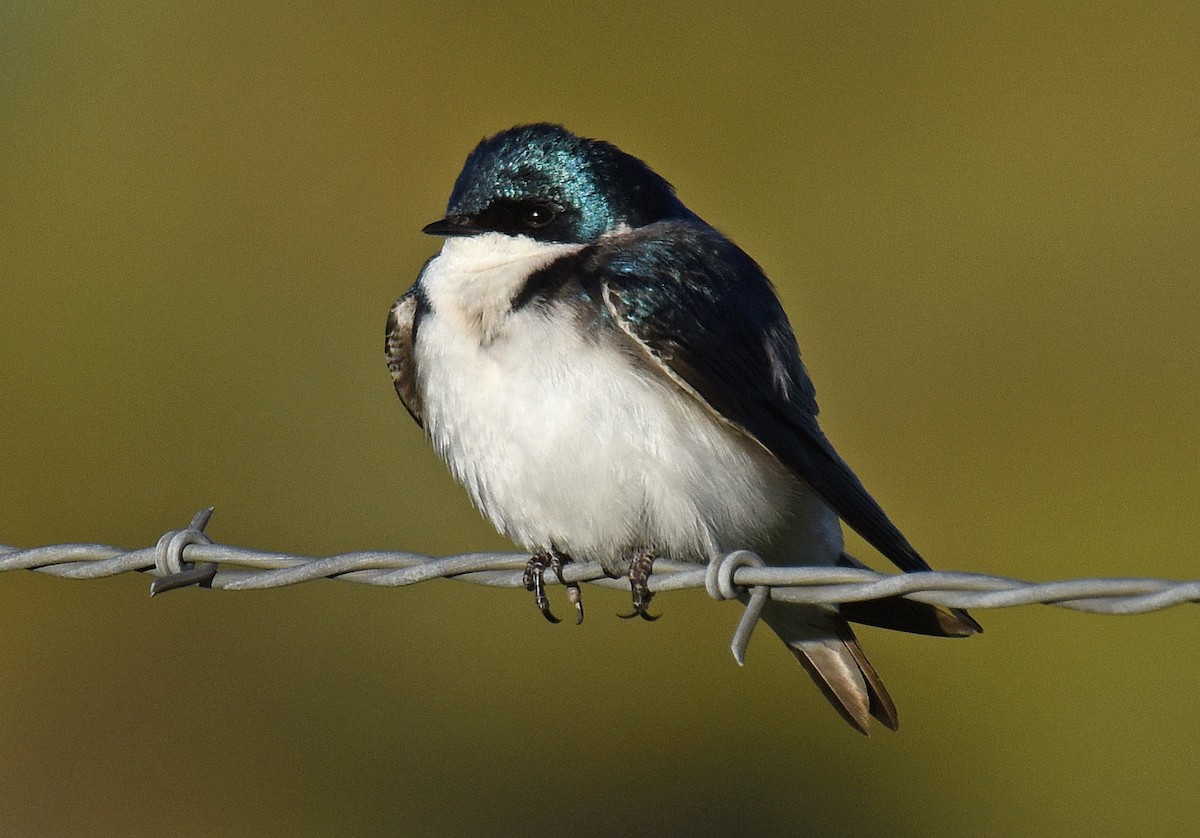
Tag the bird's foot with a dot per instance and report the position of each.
(535, 580)
(640, 568)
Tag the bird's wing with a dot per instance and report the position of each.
(703, 311)
(398, 346)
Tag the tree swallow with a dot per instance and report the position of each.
(612, 380)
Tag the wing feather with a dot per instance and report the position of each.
(398, 346)
(704, 311)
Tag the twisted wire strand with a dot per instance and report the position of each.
(189, 557)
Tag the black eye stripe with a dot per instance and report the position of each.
(506, 215)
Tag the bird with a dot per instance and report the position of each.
(613, 380)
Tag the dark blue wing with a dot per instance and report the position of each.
(703, 310)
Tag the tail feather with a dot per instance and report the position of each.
(882, 706)
(825, 645)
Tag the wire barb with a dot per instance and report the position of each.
(718, 581)
(173, 571)
(187, 557)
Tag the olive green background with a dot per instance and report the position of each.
(982, 219)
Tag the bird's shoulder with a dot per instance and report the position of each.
(703, 305)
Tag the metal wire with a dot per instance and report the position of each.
(189, 557)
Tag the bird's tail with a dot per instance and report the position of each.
(825, 645)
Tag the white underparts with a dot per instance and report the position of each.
(568, 439)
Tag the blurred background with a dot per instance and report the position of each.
(982, 219)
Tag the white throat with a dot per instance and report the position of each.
(476, 277)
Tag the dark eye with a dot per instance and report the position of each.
(537, 214)
(517, 217)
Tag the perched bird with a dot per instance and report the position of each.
(613, 380)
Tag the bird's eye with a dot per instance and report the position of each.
(538, 214)
(518, 217)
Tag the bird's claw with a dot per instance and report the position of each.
(640, 569)
(576, 597)
(535, 581)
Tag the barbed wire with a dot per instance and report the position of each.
(187, 557)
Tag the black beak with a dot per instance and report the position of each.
(452, 225)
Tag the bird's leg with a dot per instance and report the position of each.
(535, 580)
(640, 568)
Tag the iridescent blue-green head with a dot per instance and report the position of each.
(544, 182)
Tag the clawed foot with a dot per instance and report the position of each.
(640, 569)
(535, 580)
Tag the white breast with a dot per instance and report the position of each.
(563, 441)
